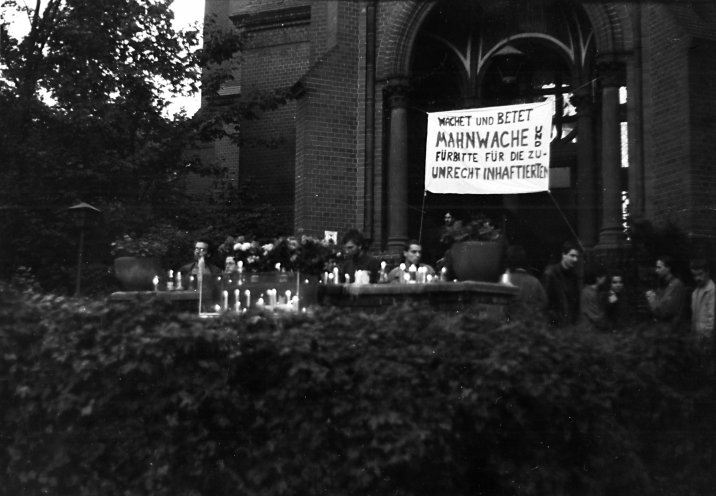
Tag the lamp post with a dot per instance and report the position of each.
(83, 215)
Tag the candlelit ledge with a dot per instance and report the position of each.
(184, 300)
(484, 297)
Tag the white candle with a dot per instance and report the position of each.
(260, 302)
(247, 296)
(278, 267)
(237, 303)
(217, 308)
(348, 278)
(155, 281)
(294, 303)
(336, 279)
(179, 286)
(288, 296)
(226, 300)
(330, 277)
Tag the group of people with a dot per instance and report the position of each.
(598, 302)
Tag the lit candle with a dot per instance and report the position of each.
(247, 296)
(178, 281)
(191, 282)
(336, 279)
(402, 275)
(288, 296)
(237, 303)
(170, 280)
(443, 274)
(260, 302)
(217, 308)
(278, 267)
(324, 277)
(271, 293)
(348, 278)
(294, 303)
(412, 271)
(226, 300)
(155, 281)
(330, 277)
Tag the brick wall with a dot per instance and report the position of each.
(666, 117)
(327, 138)
(702, 113)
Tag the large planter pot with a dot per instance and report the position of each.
(136, 273)
(477, 260)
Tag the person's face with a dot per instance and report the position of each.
(617, 284)
(351, 249)
(230, 264)
(661, 270)
(570, 259)
(448, 219)
(700, 276)
(201, 249)
(412, 255)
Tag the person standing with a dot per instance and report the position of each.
(616, 302)
(531, 298)
(703, 300)
(668, 302)
(561, 283)
(592, 301)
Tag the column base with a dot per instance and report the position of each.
(396, 245)
(610, 238)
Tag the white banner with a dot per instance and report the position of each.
(494, 150)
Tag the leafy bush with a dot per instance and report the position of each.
(136, 400)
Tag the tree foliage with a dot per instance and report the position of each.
(83, 106)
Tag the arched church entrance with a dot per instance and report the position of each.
(490, 53)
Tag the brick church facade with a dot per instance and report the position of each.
(633, 86)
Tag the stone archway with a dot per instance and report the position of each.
(598, 163)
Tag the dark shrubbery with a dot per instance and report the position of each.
(133, 401)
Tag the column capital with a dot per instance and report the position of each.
(583, 100)
(396, 93)
(612, 72)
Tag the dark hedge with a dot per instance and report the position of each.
(138, 400)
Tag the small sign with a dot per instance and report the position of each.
(331, 236)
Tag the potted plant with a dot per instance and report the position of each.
(477, 250)
(138, 259)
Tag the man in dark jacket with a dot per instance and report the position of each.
(561, 283)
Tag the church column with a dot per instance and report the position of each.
(586, 173)
(397, 191)
(611, 233)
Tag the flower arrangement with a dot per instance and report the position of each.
(305, 254)
(478, 228)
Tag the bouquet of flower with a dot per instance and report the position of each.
(306, 255)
